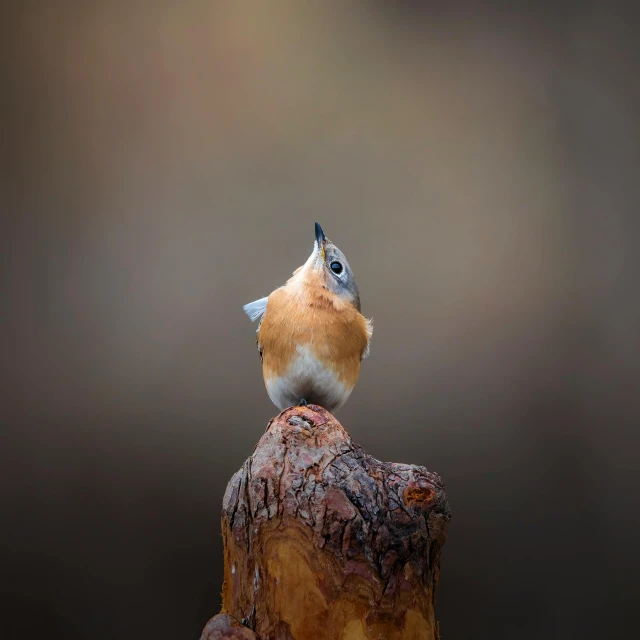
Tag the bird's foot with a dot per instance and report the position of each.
(302, 402)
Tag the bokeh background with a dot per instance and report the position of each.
(164, 163)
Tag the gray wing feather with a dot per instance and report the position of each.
(256, 309)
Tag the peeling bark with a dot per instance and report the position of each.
(224, 627)
(323, 542)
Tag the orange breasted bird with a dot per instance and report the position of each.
(311, 335)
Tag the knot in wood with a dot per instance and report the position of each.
(419, 496)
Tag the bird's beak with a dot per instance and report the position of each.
(320, 239)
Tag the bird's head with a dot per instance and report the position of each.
(330, 265)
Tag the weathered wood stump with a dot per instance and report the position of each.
(323, 542)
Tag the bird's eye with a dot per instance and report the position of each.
(336, 267)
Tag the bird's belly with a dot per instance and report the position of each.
(308, 378)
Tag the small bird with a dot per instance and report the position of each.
(311, 335)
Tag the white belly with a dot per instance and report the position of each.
(307, 378)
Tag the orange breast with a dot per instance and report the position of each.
(308, 314)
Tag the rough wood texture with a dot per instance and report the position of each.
(224, 627)
(323, 542)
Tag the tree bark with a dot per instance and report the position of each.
(224, 627)
(323, 542)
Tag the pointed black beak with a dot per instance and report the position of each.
(319, 235)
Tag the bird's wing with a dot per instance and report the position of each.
(369, 330)
(256, 309)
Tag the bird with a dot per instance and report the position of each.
(312, 336)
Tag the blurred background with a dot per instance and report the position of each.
(163, 164)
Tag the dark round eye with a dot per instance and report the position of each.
(336, 267)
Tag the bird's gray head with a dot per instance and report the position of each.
(335, 269)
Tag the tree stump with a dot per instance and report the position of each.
(323, 542)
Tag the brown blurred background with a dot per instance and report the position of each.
(163, 164)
